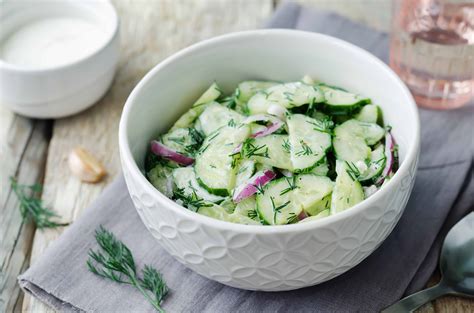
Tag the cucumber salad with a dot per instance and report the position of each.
(274, 153)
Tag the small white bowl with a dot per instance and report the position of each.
(62, 90)
(268, 258)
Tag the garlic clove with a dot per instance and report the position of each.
(85, 166)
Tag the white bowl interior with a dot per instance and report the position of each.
(282, 55)
(15, 14)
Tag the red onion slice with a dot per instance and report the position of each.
(248, 188)
(389, 145)
(269, 130)
(163, 151)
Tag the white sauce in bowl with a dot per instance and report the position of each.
(51, 42)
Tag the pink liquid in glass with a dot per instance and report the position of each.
(432, 50)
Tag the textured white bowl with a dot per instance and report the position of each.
(268, 258)
(65, 89)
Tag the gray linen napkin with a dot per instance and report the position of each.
(443, 193)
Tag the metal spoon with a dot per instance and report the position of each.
(456, 265)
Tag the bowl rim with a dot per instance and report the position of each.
(128, 160)
(106, 43)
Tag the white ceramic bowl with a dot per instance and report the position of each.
(61, 90)
(268, 258)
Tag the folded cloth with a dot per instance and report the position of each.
(403, 263)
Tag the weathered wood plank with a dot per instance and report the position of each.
(151, 31)
(23, 148)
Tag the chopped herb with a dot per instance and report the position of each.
(252, 214)
(178, 140)
(203, 148)
(286, 145)
(288, 96)
(292, 218)
(212, 136)
(253, 150)
(306, 149)
(291, 185)
(352, 171)
(322, 125)
(277, 209)
(231, 123)
(259, 188)
(192, 201)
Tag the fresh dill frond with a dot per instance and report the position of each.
(231, 123)
(254, 150)
(260, 189)
(291, 185)
(306, 150)
(352, 171)
(277, 209)
(252, 214)
(115, 261)
(286, 145)
(292, 218)
(31, 206)
(191, 201)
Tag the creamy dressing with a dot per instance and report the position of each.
(51, 42)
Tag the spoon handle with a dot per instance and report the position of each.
(414, 301)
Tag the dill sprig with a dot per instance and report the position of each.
(306, 149)
(254, 150)
(31, 207)
(353, 171)
(323, 125)
(292, 218)
(277, 209)
(192, 201)
(286, 145)
(252, 214)
(115, 262)
(291, 185)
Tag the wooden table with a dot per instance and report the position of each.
(36, 150)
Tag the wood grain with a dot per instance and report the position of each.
(23, 151)
(150, 31)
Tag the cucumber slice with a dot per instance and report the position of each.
(160, 177)
(308, 143)
(376, 165)
(183, 140)
(185, 179)
(352, 140)
(215, 165)
(351, 149)
(321, 170)
(247, 207)
(324, 213)
(248, 89)
(228, 205)
(307, 80)
(322, 205)
(211, 94)
(287, 95)
(245, 170)
(215, 116)
(275, 206)
(220, 213)
(347, 191)
(271, 150)
(370, 132)
(370, 113)
(188, 118)
(339, 101)
(311, 192)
